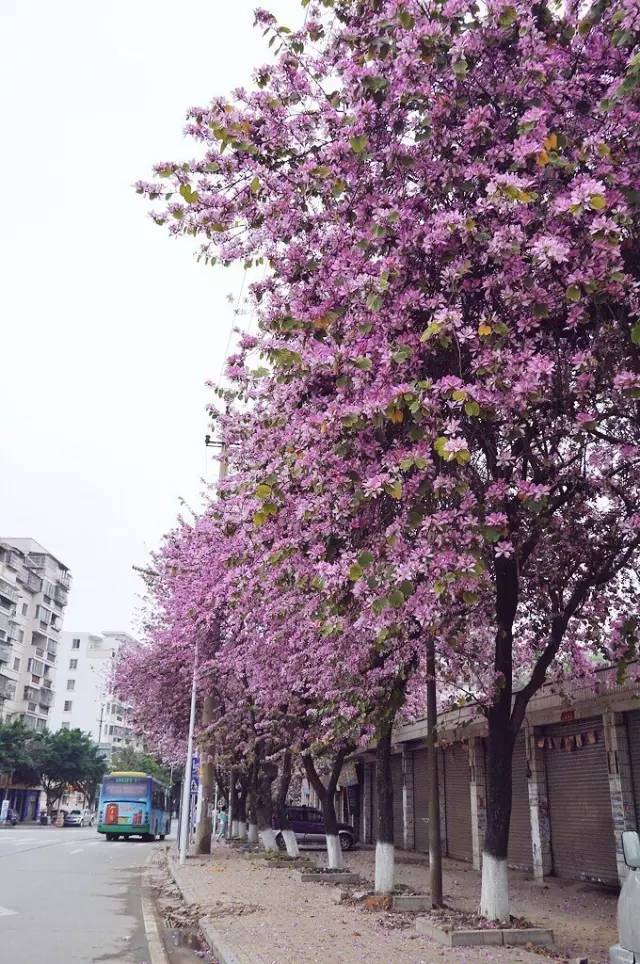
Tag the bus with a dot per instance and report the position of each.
(134, 804)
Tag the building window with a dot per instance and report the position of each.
(25, 609)
(67, 706)
(65, 725)
(73, 664)
(75, 644)
(16, 665)
(71, 684)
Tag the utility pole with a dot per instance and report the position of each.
(435, 843)
(186, 786)
(204, 829)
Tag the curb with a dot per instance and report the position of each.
(216, 943)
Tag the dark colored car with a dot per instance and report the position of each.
(308, 825)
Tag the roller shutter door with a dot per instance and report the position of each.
(633, 729)
(458, 802)
(420, 801)
(520, 852)
(582, 838)
(398, 823)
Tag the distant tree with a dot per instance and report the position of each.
(69, 758)
(129, 758)
(19, 752)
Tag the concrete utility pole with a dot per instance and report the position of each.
(204, 828)
(186, 786)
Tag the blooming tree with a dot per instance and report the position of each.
(442, 435)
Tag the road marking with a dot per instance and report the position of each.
(7, 912)
(157, 952)
(78, 851)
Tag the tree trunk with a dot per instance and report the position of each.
(282, 822)
(264, 806)
(242, 810)
(326, 795)
(252, 833)
(494, 897)
(205, 828)
(233, 806)
(385, 857)
(435, 840)
(494, 901)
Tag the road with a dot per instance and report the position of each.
(66, 896)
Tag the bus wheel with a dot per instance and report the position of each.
(110, 837)
(148, 837)
(162, 836)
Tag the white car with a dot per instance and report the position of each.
(79, 818)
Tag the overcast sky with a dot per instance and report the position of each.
(109, 328)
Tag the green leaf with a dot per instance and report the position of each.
(439, 445)
(374, 301)
(321, 171)
(406, 19)
(402, 354)
(508, 17)
(573, 293)
(363, 363)
(635, 333)
(394, 489)
(190, 196)
(379, 604)
(460, 68)
(358, 144)
(598, 202)
(491, 534)
(255, 185)
(365, 559)
(469, 597)
(459, 395)
(263, 491)
(406, 464)
(375, 83)
(472, 408)
(396, 598)
(355, 572)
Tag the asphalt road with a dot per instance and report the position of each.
(67, 896)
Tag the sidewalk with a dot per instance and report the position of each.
(254, 913)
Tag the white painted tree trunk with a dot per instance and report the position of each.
(242, 829)
(268, 839)
(334, 852)
(494, 895)
(291, 843)
(385, 862)
(234, 829)
(253, 833)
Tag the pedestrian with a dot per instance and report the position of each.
(222, 823)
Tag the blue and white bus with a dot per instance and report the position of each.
(134, 804)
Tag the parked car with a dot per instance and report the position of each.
(12, 817)
(627, 950)
(308, 825)
(79, 818)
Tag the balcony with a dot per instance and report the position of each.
(60, 596)
(64, 578)
(31, 694)
(8, 591)
(4, 622)
(7, 688)
(15, 633)
(46, 697)
(5, 652)
(13, 560)
(30, 580)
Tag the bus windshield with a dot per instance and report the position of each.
(125, 788)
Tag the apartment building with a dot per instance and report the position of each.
(34, 587)
(84, 699)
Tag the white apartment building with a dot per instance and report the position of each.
(34, 586)
(83, 695)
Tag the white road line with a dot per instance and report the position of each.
(78, 851)
(7, 912)
(157, 953)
